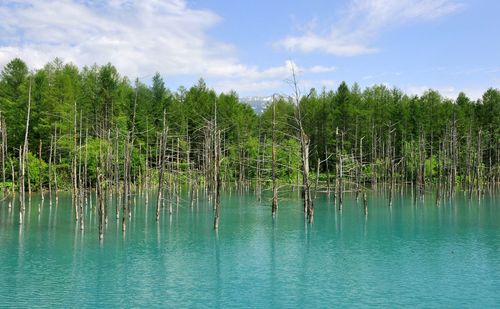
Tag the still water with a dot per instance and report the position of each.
(411, 255)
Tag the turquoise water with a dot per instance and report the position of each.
(411, 255)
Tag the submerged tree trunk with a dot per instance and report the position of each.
(365, 204)
(23, 153)
(217, 179)
(478, 164)
(340, 168)
(117, 176)
(161, 163)
(304, 147)
(81, 190)
(274, 206)
(56, 188)
(50, 169)
(100, 202)
(216, 174)
(3, 150)
(40, 171)
(22, 199)
(126, 193)
(74, 173)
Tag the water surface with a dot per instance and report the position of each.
(412, 254)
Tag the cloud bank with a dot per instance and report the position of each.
(138, 37)
(361, 22)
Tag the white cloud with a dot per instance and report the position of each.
(256, 80)
(362, 21)
(318, 84)
(249, 86)
(138, 37)
(449, 92)
(282, 71)
(322, 69)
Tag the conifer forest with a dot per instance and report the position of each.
(96, 133)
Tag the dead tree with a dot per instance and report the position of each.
(100, 191)
(478, 164)
(161, 164)
(340, 170)
(126, 194)
(117, 176)
(365, 204)
(100, 201)
(74, 163)
(22, 158)
(81, 190)
(304, 147)
(131, 147)
(3, 150)
(85, 167)
(216, 168)
(56, 188)
(50, 169)
(273, 155)
(40, 170)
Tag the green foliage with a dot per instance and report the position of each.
(36, 170)
(104, 102)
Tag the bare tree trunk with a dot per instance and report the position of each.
(56, 188)
(360, 172)
(146, 164)
(391, 156)
(126, 186)
(108, 178)
(74, 174)
(28, 172)
(454, 156)
(40, 171)
(374, 157)
(274, 207)
(81, 190)
(128, 153)
(327, 171)
(340, 178)
(100, 202)
(478, 165)
(85, 167)
(22, 198)
(365, 204)
(217, 179)
(170, 185)
(3, 148)
(22, 156)
(161, 162)
(117, 177)
(178, 174)
(258, 188)
(50, 169)
(304, 145)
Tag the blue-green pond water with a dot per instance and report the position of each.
(410, 255)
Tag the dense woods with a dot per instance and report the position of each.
(94, 131)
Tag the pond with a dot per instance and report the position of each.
(413, 254)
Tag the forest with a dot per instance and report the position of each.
(95, 131)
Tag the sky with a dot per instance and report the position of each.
(251, 46)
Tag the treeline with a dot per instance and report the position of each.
(80, 118)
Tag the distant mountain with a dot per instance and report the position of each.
(258, 103)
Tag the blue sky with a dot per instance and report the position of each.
(250, 46)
